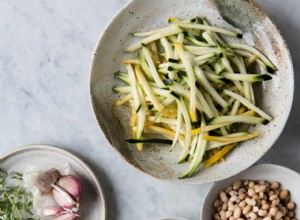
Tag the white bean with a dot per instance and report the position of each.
(225, 206)
(273, 211)
(229, 213)
(252, 215)
(237, 212)
(251, 192)
(237, 185)
(279, 215)
(246, 210)
(255, 209)
(262, 213)
(223, 196)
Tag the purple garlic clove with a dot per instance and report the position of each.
(68, 216)
(71, 184)
(49, 211)
(64, 199)
(44, 181)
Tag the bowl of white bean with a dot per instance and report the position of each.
(263, 192)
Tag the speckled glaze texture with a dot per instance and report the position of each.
(275, 97)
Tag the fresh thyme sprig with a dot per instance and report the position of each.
(15, 201)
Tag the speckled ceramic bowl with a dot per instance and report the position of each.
(289, 179)
(275, 97)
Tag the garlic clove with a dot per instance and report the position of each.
(68, 216)
(64, 199)
(53, 210)
(71, 184)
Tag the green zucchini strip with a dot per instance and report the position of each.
(206, 27)
(141, 114)
(188, 128)
(209, 88)
(134, 89)
(198, 51)
(147, 89)
(122, 89)
(248, 104)
(237, 119)
(152, 67)
(145, 66)
(170, 31)
(199, 153)
(149, 140)
(253, 50)
(246, 78)
(178, 127)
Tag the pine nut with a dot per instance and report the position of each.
(274, 185)
(283, 194)
(290, 205)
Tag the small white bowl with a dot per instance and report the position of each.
(288, 179)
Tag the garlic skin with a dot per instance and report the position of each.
(53, 210)
(71, 184)
(44, 181)
(68, 216)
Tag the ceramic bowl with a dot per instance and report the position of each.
(289, 179)
(275, 96)
(45, 157)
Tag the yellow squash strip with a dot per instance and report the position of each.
(215, 151)
(123, 100)
(139, 147)
(131, 61)
(209, 128)
(133, 118)
(219, 155)
(241, 110)
(231, 139)
(165, 131)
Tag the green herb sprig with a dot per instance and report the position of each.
(15, 201)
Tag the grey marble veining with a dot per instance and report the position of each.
(45, 51)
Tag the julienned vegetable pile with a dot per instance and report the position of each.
(192, 87)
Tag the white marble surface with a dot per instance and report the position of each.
(45, 51)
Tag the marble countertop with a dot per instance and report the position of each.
(45, 53)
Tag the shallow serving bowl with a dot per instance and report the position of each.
(289, 180)
(275, 97)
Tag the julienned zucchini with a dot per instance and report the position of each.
(149, 141)
(188, 84)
